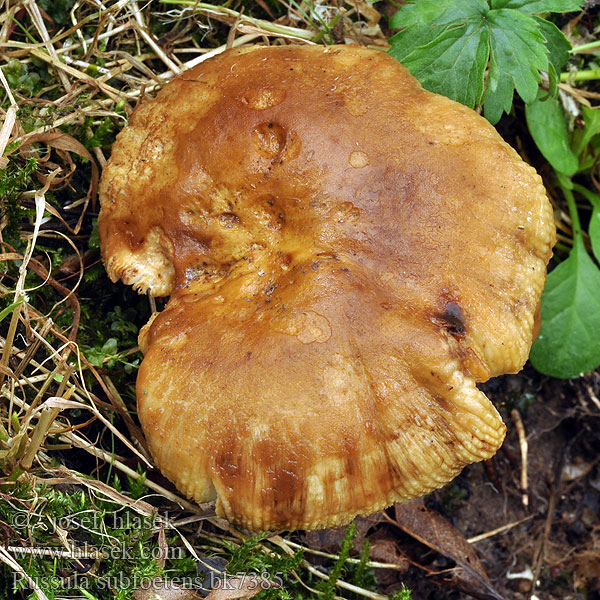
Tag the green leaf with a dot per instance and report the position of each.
(463, 49)
(499, 94)
(437, 12)
(110, 347)
(539, 6)
(404, 42)
(557, 45)
(548, 127)
(569, 344)
(467, 35)
(594, 227)
(87, 594)
(58, 10)
(591, 128)
(519, 49)
(594, 230)
(428, 19)
(553, 80)
(4, 313)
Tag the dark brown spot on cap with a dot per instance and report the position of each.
(452, 318)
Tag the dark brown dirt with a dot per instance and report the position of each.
(557, 542)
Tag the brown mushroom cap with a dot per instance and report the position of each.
(347, 254)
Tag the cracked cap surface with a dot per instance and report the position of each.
(347, 254)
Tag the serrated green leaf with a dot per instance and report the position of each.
(557, 45)
(428, 19)
(405, 41)
(519, 49)
(539, 6)
(499, 93)
(519, 45)
(548, 127)
(568, 343)
(437, 12)
(463, 49)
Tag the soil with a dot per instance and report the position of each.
(557, 542)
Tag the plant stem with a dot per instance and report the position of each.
(323, 32)
(586, 75)
(589, 195)
(583, 47)
(575, 223)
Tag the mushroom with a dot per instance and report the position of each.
(346, 256)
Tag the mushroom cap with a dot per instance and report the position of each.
(347, 254)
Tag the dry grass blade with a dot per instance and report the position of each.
(295, 546)
(230, 16)
(19, 293)
(38, 21)
(6, 558)
(61, 403)
(10, 117)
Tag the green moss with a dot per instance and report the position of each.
(58, 10)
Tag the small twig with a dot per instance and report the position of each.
(516, 417)
(152, 302)
(61, 403)
(31, 351)
(502, 529)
